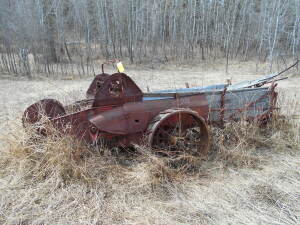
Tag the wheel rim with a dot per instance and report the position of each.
(34, 114)
(180, 133)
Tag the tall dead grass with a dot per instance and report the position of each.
(251, 176)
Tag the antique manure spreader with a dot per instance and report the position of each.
(118, 112)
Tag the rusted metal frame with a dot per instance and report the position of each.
(273, 97)
(273, 100)
(107, 62)
(222, 106)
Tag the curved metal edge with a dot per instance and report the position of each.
(48, 107)
(157, 120)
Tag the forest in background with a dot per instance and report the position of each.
(69, 36)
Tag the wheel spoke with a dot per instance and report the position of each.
(180, 133)
(164, 131)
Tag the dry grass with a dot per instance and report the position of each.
(251, 176)
(59, 181)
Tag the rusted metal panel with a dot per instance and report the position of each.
(96, 84)
(117, 89)
(134, 117)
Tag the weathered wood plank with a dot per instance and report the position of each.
(234, 101)
(257, 101)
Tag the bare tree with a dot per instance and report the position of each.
(49, 14)
(70, 35)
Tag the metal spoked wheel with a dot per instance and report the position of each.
(179, 131)
(46, 108)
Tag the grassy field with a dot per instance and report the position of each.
(252, 175)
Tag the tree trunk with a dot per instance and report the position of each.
(50, 30)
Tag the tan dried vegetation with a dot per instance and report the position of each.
(251, 176)
(57, 180)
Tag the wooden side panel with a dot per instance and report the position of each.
(238, 103)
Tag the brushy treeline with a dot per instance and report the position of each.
(71, 34)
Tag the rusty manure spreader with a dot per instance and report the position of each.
(118, 112)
